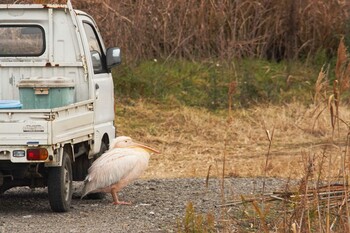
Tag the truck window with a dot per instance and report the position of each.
(21, 41)
(96, 52)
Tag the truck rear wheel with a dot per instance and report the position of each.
(60, 182)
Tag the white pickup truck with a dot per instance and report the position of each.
(56, 98)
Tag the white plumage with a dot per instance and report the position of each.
(124, 162)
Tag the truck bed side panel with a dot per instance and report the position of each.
(73, 122)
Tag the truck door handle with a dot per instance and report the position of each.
(97, 86)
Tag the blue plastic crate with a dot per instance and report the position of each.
(10, 104)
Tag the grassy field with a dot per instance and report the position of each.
(301, 119)
(194, 140)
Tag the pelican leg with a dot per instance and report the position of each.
(115, 199)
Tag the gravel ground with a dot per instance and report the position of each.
(157, 206)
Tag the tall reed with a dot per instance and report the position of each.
(218, 29)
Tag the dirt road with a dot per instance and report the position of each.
(158, 206)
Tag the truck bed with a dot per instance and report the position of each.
(46, 126)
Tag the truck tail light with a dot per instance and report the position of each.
(37, 154)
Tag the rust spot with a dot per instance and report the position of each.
(48, 64)
(53, 6)
(57, 65)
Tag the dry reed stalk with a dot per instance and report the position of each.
(116, 12)
(261, 216)
(334, 191)
(321, 84)
(208, 176)
(231, 91)
(342, 67)
(267, 157)
(318, 188)
(336, 94)
(229, 122)
(341, 59)
(345, 179)
(302, 209)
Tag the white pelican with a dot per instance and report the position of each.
(124, 162)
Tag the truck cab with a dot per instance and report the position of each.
(56, 97)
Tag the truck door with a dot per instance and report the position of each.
(101, 85)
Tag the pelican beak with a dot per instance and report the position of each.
(150, 149)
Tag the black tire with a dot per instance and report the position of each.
(98, 196)
(60, 180)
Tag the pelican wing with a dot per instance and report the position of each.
(111, 167)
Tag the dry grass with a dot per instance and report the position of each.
(192, 140)
(201, 29)
(301, 140)
(304, 146)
